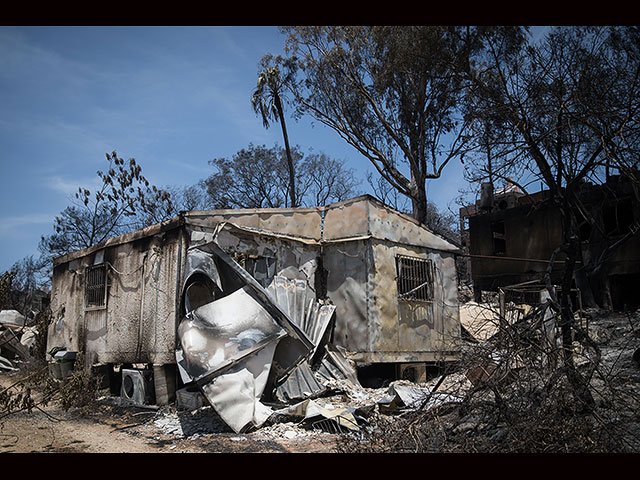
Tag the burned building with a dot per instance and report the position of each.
(250, 297)
(510, 238)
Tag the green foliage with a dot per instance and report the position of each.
(267, 100)
(274, 79)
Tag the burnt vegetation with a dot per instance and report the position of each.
(510, 393)
(34, 388)
(551, 376)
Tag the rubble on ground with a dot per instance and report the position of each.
(352, 411)
(17, 340)
(515, 394)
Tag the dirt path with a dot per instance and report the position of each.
(64, 432)
(107, 427)
(36, 432)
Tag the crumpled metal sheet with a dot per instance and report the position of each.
(235, 395)
(335, 366)
(414, 397)
(237, 345)
(6, 364)
(216, 334)
(300, 384)
(310, 411)
(298, 301)
(12, 319)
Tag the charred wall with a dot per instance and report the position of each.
(500, 242)
(136, 320)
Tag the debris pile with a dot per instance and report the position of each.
(189, 424)
(344, 410)
(17, 340)
(272, 368)
(510, 392)
(240, 342)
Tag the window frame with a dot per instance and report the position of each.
(93, 287)
(498, 237)
(422, 280)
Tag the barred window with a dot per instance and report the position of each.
(96, 286)
(414, 278)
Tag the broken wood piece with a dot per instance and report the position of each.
(10, 341)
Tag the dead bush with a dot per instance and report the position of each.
(517, 397)
(42, 321)
(79, 390)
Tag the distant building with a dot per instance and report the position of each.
(510, 236)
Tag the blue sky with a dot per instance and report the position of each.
(171, 97)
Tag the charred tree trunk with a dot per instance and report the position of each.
(564, 303)
(419, 197)
(292, 177)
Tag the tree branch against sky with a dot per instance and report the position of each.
(567, 107)
(257, 177)
(390, 92)
(566, 104)
(124, 201)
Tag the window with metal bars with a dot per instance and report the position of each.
(96, 286)
(414, 278)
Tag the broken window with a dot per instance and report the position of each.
(263, 269)
(584, 226)
(96, 286)
(499, 241)
(414, 278)
(617, 217)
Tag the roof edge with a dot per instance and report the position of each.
(154, 229)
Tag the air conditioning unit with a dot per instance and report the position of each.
(137, 386)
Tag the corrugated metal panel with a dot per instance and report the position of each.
(335, 366)
(300, 384)
(299, 302)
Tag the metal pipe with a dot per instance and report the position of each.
(516, 259)
(139, 342)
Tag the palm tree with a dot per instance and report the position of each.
(267, 101)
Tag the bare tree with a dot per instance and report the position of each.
(111, 210)
(179, 199)
(325, 180)
(562, 110)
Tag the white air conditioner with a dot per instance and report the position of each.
(137, 386)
